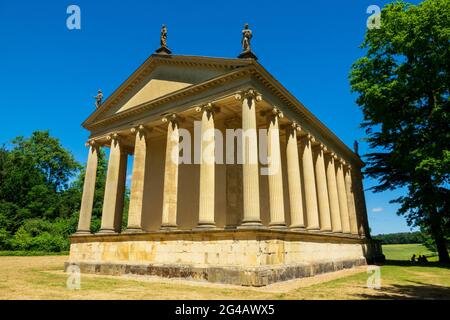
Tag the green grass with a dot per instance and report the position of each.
(405, 251)
(42, 278)
(31, 253)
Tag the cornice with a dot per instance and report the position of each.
(239, 68)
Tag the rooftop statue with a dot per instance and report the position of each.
(98, 98)
(164, 49)
(246, 48)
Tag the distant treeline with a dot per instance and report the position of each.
(400, 238)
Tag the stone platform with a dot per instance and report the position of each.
(244, 257)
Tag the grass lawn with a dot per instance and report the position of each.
(42, 278)
(405, 251)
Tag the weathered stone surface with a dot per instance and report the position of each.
(245, 257)
(252, 276)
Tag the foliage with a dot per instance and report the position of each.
(403, 89)
(40, 194)
(400, 238)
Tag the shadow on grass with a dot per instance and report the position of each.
(404, 263)
(416, 290)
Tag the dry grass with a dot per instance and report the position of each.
(42, 278)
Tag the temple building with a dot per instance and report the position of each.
(233, 179)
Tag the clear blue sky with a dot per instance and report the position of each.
(48, 74)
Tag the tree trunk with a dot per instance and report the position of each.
(440, 241)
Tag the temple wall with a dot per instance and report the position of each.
(215, 252)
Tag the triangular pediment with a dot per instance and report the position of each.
(161, 76)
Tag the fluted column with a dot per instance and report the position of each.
(114, 188)
(87, 200)
(336, 225)
(294, 182)
(322, 189)
(275, 175)
(137, 180)
(360, 201)
(250, 168)
(170, 195)
(312, 212)
(342, 193)
(207, 168)
(350, 200)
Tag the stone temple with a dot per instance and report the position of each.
(272, 194)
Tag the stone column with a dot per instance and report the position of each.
(336, 225)
(137, 180)
(169, 214)
(294, 182)
(312, 212)
(114, 188)
(322, 188)
(87, 201)
(360, 201)
(250, 167)
(275, 175)
(207, 169)
(342, 193)
(350, 199)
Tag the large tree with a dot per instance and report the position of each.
(34, 174)
(403, 89)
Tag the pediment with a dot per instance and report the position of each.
(158, 77)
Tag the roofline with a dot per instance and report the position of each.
(249, 66)
(158, 59)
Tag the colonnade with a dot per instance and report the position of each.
(323, 195)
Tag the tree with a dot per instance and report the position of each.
(403, 89)
(34, 186)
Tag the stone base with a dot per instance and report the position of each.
(256, 277)
(252, 257)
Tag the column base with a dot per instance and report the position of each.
(251, 224)
(168, 227)
(325, 230)
(297, 227)
(278, 226)
(313, 229)
(205, 225)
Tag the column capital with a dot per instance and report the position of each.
(248, 93)
(113, 137)
(307, 138)
(91, 143)
(209, 107)
(342, 162)
(171, 117)
(141, 129)
(272, 113)
(295, 126)
(292, 127)
(321, 147)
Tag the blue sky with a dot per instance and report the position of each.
(49, 73)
